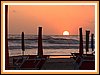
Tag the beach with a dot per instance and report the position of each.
(59, 64)
(58, 52)
(47, 62)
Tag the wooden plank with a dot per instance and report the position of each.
(81, 42)
(6, 38)
(40, 48)
(92, 42)
(23, 48)
(87, 41)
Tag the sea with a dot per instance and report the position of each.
(52, 44)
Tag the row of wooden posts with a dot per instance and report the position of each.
(40, 47)
(87, 41)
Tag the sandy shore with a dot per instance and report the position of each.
(55, 63)
(52, 62)
(58, 64)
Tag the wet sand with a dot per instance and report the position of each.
(55, 62)
(52, 63)
(58, 64)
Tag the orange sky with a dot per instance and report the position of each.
(53, 19)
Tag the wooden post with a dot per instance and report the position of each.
(40, 49)
(92, 42)
(81, 42)
(87, 41)
(6, 38)
(23, 47)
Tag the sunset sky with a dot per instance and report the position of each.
(53, 19)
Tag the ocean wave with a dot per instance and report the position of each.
(46, 47)
(63, 41)
(49, 42)
(53, 41)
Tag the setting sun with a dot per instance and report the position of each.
(65, 33)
